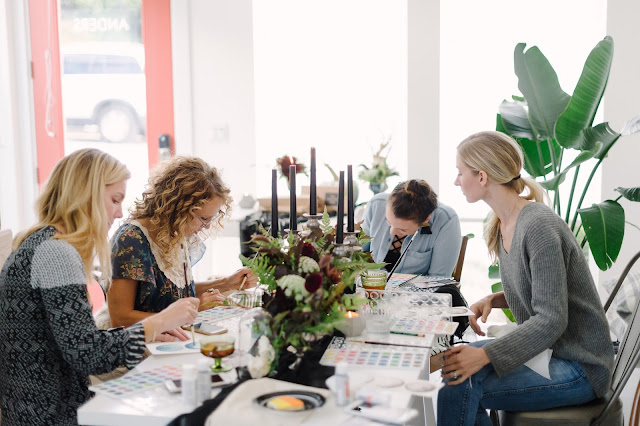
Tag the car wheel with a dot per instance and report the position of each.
(117, 123)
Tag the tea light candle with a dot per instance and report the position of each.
(352, 325)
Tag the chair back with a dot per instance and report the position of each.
(626, 361)
(6, 238)
(457, 271)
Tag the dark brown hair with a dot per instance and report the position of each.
(413, 200)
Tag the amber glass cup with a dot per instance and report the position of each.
(218, 347)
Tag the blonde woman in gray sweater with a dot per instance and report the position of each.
(548, 287)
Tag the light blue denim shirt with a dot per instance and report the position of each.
(432, 254)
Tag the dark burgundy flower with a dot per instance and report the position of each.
(328, 269)
(313, 282)
(309, 251)
(280, 272)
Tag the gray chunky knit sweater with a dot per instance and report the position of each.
(550, 291)
(49, 343)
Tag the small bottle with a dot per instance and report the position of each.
(189, 385)
(203, 381)
(342, 384)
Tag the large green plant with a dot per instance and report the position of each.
(552, 126)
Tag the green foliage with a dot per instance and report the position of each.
(307, 284)
(551, 126)
(496, 288)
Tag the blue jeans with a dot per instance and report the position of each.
(521, 390)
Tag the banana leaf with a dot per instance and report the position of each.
(603, 224)
(553, 184)
(586, 97)
(495, 288)
(631, 194)
(539, 84)
(537, 157)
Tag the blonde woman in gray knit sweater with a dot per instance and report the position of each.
(49, 343)
(548, 287)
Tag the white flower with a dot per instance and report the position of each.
(307, 265)
(293, 284)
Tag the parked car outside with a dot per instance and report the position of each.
(104, 84)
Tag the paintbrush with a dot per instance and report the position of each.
(402, 255)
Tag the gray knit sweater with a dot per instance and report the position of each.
(550, 291)
(49, 343)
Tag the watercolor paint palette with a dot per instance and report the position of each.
(135, 382)
(173, 348)
(218, 313)
(368, 355)
(411, 325)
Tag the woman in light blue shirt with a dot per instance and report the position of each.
(392, 219)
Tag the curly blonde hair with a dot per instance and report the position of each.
(74, 198)
(177, 189)
(500, 157)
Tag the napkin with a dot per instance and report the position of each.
(539, 363)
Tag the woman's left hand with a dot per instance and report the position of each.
(234, 281)
(461, 362)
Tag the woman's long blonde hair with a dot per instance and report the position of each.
(177, 189)
(74, 198)
(500, 157)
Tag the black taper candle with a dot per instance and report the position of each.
(293, 214)
(313, 200)
(340, 229)
(274, 203)
(350, 200)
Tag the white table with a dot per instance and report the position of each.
(104, 410)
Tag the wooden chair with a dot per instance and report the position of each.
(602, 411)
(457, 271)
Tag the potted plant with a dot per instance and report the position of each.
(379, 171)
(554, 128)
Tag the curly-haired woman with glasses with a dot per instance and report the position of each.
(153, 251)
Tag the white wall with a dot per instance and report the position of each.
(17, 141)
(212, 43)
(621, 103)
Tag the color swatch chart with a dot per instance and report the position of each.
(218, 313)
(412, 325)
(135, 382)
(368, 355)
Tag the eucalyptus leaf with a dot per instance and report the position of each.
(632, 126)
(631, 194)
(582, 108)
(603, 224)
(539, 84)
(553, 184)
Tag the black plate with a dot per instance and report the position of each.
(311, 400)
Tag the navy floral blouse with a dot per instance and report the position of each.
(131, 258)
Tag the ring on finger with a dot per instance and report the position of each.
(210, 290)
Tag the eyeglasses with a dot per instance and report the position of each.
(207, 223)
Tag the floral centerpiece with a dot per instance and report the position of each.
(308, 285)
(379, 171)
